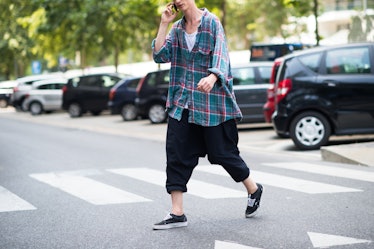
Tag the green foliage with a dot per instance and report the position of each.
(118, 31)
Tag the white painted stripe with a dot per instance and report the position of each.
(94, 192)
(231, 245)
(320, 240)
(285, 182)
(195, 187)
(10, 202)
(326, 170)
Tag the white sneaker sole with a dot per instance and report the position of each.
(169, 226)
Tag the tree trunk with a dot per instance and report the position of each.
(315, 11)
(116, 58)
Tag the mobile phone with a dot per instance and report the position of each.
(175, 8)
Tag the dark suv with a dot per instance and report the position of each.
(88, 93)
(325, 91)
(152, 91)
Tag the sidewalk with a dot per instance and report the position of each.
(358, 153)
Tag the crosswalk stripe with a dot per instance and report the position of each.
(94, 192)
(231, 245)
(10, 202)
(326, 170)
(195, 187)
(285, 182)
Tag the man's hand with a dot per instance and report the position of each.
(206, 84)
(168, 15)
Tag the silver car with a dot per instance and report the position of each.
(44, 96)
(24, 86)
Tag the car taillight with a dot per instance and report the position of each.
(270, 93)
(284, 86)
(140, 84)
(64, 88)
(15, 89)
(112, 93)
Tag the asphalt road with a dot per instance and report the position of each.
(97, 182)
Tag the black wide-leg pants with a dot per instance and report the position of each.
(186, 142)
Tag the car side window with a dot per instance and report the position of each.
(243, 76)
(59, 86)
(311, 61)
(152, 79)
(43, 87)
(133, 83)
(348, 61)
(90, 81)
(108, 81)
(265, 73)
(165, 78)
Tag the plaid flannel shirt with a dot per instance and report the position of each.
(209, 55)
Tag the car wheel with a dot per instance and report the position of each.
(157, 114)
(128, 112)
(310, 130)
(36, 108)
(3, 103)
(75, 110)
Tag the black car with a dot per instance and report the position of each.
(325, 91)
(88, 93)
(250, 83)
(122, 98)
(152, 91)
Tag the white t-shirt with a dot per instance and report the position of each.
(190, 39)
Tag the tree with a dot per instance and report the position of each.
(15, 44)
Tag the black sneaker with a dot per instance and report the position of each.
(254, 202)
(171, 221)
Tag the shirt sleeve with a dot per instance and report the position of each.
(221, 60)
(164, 54)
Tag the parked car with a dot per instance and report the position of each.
(88, 93)
(122, 98)
(325, 91)
(250, 83)
(44, 96)
(24, 85)
(269, 105)
(271, 51)
(6, 91)
(151, 96)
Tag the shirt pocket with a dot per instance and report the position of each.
(203, 58)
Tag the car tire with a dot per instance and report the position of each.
(75, 110)
(310, 130)
(36, 108)
(3, 103)
(128, 112)
(157, 114)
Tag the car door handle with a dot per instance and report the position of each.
(330, 83)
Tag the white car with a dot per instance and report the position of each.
(44, 96)
(24, 86)
(6, 91)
